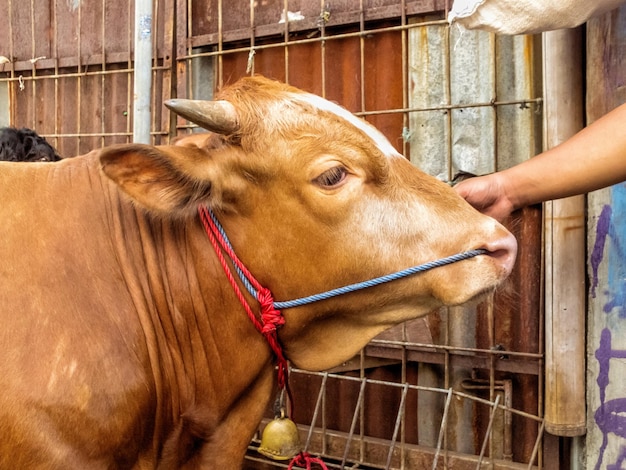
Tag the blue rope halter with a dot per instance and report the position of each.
(352, 287)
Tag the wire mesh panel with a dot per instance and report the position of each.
(383, 442)
(67, 70)
(460, 388)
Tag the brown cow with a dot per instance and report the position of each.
(123, 344)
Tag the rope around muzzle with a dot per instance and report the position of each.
(251, 284)
(271, 315)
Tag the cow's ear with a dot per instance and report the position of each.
(167, 179)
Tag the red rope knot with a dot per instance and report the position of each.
(272, 319)
(305, 460)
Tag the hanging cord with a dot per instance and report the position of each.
(271, 318)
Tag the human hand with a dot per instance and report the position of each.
(487, 194)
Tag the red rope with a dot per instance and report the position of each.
(271, 319)
(305, 460)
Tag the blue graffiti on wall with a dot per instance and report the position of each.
(610, 416)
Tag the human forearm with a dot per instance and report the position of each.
(594, 158)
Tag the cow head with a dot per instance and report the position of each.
(315, 198)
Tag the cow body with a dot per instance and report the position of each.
(123, 343)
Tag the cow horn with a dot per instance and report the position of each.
(214, 116)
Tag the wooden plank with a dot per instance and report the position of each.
(606, 235)
(267, 15)
(22, 29)
(67, 29)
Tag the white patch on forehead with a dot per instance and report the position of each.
(377, 137)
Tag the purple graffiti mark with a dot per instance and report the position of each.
(603, 355)
(602, 230)
(620, 460)
(610, 416)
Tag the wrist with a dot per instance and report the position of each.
(506, 184)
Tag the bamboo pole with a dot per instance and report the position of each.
(564, 232)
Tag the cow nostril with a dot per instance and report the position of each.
(504, 251)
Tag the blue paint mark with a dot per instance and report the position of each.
(617, 259)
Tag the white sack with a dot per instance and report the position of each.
(526, 16)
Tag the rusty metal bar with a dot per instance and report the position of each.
(11, 58)
(103, 108)
(87, 134)
(362, 54)
(399, 423)
(488, 433)
(130, 67)
(354, 421)
(250, 64)
(286, 39)
(33, 56)
(318, 404)
(537, 445)
(405, 73)
(220, 43)
(419, 388)
(445, 347)
(506, 387)
(78, 78)
(322, 38)
(56, 75)
(442, 428)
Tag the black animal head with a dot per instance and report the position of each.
(25, 145)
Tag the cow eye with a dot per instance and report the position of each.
(331, 177)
